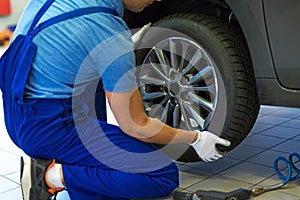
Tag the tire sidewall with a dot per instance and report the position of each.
(178, 27)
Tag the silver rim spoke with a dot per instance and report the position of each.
(186, 118)
(157, 70)
(176, 117)
(164, 115)
(196, 58)
(184, 50)
(164, 62)
(152, 80)
(173, 55)
(194, 114)
(153, 96)
(201, 75)
(202, 102)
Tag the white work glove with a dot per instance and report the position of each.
(137, 37)
(205, 146)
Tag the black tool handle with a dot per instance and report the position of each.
(182, 196)
(239, 194)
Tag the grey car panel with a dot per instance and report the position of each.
(251, 19)
(283, 27)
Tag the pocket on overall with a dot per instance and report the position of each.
(15, 65)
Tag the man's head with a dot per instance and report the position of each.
(137, 5)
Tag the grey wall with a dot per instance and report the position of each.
(17, 7)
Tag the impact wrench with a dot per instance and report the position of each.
(240, 194)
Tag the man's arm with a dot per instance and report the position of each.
(132, 119)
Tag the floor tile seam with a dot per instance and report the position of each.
(235, 179)
(197, 168)
(191, 185)
(225, 177)
(249, 145)
(285, 140)
(4, 175)
(259, 164)
(11, 179)
(281, 126)
(256, 185)
(295, 136)
(292, 138)
(187, 190)
(1, 149)
(253, 184)
(232, 166)
(280, 151)
(289, 126)
(259, 132)
(283, 191)
(285, 112)
(273, 163)
(190, 174)
(267, 112)
(296, 140)
(276, 136)
(284, 119)
(243, 160)
(271, 126)
(206, 178)
(219, 171)
(9, 190)
(271, 149)
(274, 125)
(291, 118)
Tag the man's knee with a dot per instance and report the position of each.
(167, 180)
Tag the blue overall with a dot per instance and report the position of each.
(99, 160)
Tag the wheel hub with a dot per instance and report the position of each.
(176, 84)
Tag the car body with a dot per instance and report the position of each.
(269, 31)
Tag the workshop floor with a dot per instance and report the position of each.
(276, 133)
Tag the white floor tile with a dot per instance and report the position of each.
(247, 165)
(6, 185)
(14, 194)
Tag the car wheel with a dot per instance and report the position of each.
(195, 73)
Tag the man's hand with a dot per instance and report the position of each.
(205, 146)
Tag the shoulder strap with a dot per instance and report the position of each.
(71, 14)
(40, 13)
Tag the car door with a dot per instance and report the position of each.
(283, 29)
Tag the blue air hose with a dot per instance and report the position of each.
(291, 168)
(293, 173)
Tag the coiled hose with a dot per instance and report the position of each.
(293, 173)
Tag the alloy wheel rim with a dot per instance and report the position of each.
(178, 84)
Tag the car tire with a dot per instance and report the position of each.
(236, 102)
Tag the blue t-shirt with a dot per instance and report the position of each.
(78, 51)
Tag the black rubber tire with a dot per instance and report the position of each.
(238, 104)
